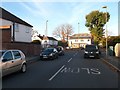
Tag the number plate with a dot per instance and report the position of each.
(91, 56)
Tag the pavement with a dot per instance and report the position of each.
(112, 61)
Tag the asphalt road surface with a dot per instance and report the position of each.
(68, 71)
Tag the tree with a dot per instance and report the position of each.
(34, 32)
(63, 31)
(113, 40)
(95, 21)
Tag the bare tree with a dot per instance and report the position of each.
(63, 31)
(34, 32)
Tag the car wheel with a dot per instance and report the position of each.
(23, 68)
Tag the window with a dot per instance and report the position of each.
(16, 27)
(76, 40)
(16, 54)
(82, 40)
(8, 56)
(27, 30)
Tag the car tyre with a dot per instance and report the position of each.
(23, 68)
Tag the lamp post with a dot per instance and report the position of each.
(78, 35)
(78, 27)
(46, 28)
(46, 35)
(105, 7)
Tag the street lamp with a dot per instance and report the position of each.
(78, 35)
(46, 28)
(46, 35)
(106, 33)
(78, 27)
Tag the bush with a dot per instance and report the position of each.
(36, 42)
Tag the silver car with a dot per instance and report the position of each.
(12, 61)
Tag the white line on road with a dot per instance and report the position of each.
(111, 65)
(75, 54)
(69, 59)
(56, 72)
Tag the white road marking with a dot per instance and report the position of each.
(111, 65)
(87, 69)
(75, 54)
(69, 59)
(56, 72)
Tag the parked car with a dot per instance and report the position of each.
(67, 48)
(49, 53)
(12, 61)
(91, 51)
(60, 50)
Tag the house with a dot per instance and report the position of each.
(79, 40)
(16, 34)
(20, 31)
(47, 41)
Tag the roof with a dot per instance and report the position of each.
(41, 37)
(81, 35)
(9, 16)
(50, 38)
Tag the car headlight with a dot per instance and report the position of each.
(51, 54)
(97, 52)
(86, 51)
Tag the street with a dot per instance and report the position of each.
(68, 71)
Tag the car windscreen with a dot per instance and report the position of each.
(91, 47)
(48, 50)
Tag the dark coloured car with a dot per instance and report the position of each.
(91, 51)
(49, 53)
(60, 50)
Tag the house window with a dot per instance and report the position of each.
(27, 30)
(82, 40)
(76, 40)
(16, 27)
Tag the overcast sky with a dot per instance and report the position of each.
(36, 12)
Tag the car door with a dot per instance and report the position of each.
(6, 63)
(17, 62)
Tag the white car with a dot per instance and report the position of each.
(12, 61)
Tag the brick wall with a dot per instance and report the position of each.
(28, 48)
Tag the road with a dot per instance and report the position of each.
(68, 71)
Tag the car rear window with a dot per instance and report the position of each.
(91, 47)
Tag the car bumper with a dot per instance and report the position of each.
(91, 55)
(46, 57)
